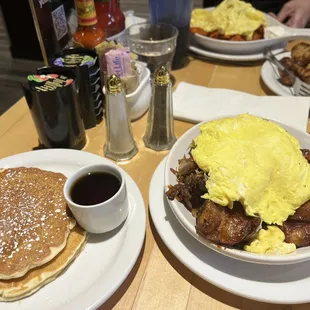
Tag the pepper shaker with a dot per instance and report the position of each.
(159, 134)
(120, 144)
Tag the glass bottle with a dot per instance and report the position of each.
(159, 135)
(110, 17)
(88, 33)
(120, 144)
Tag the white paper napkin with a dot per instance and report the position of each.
(197, 103)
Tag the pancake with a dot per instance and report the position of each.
(34, 219)
(15, 289)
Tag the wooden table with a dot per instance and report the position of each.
(158, 280)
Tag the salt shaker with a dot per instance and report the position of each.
(159, 134)
(120, 144)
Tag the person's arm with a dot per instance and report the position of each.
(296, 13)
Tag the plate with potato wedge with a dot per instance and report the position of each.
(297, 61)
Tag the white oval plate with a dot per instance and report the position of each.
(270, 76)
(272, 284)
(179, 149)
(233, 58)
(107, 258)
(249, 47)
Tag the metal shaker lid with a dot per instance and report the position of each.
(162, 76)
(114, 85)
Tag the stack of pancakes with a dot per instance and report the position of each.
(38, 235)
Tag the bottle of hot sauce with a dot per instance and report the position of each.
(88, 33)
(110, 17)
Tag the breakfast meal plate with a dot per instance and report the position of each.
(104, 262)
(270, 76)
(272, 284)
(233, 182)
(244, 24)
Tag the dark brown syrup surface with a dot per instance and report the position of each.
(94, 188)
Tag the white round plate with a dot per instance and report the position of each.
(274, 284)
(107, 258)
(232, 58)
(185, 217)
(270, 76)
(249, 47)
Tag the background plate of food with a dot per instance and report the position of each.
(235, 27)
(240, 185)
(297, 61)
(271, 77)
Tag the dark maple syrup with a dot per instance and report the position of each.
(94, 188)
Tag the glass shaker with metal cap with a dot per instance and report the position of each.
(159, 134)
(120, 144)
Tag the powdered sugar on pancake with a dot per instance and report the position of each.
(34, 220)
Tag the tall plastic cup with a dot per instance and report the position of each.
(177, 13)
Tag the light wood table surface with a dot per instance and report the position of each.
(158, 280)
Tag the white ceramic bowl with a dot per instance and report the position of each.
(105, 216)
(139, 100)
(179, 149)
(249, 47)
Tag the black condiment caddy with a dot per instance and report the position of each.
(85, 62)
(52, 98)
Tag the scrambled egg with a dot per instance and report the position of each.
(231, 17)
(256, 162)
(270, 241)
(204, 20)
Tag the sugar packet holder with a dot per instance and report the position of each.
(85, 63)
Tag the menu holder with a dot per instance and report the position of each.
(50, 19)
(85, 62)
(53, 103)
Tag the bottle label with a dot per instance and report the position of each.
(86, 12)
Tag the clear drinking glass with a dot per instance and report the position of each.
(178, 14)
(154, 44)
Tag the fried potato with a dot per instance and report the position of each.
(216, 34)
(237, 37)
(198, 31)
(259, 33)
(288, 63)
(298, 64)
(301, 54)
